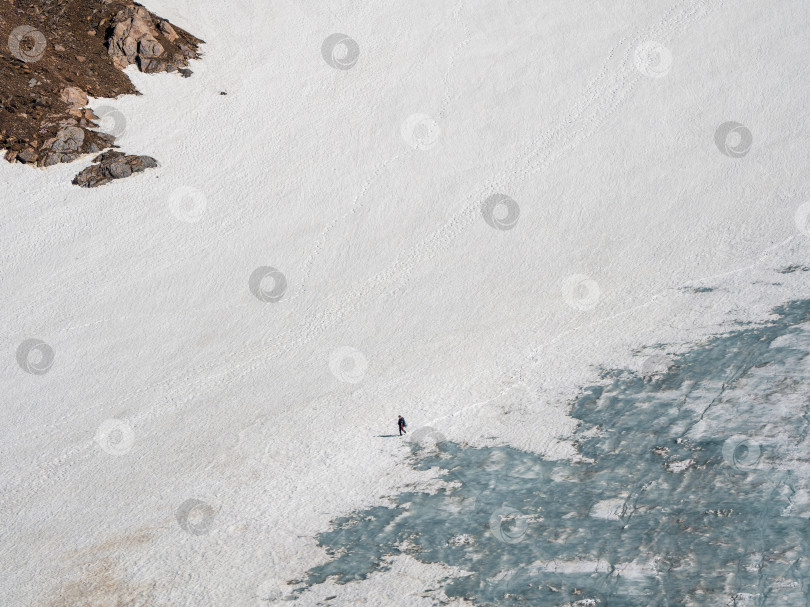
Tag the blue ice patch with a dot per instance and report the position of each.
(692, 489)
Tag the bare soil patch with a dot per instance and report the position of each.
(54, 53)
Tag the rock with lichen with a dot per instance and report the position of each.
(112, 165)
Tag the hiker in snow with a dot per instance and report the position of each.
(401, 424)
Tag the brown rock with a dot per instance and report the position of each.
(167, 30)
(27, 155)
(74, 97)
(112, 165)
(68, 139)
(141, 163)
(134, 36)
(51, 159)
(119, 169)
(106, 139)
(109, 156)
(151, 66)
(149, 47)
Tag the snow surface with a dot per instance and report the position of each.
(141, 288)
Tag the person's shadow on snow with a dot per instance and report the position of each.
(387, 435)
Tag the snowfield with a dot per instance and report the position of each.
(462, 222)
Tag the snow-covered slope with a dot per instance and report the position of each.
(366, 189)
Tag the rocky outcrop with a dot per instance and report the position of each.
(167, 30)
(112, 165)
(70, 143)
(66, 145)
(74, 97)
(135, 41)
(133, 37)
(71, 52)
